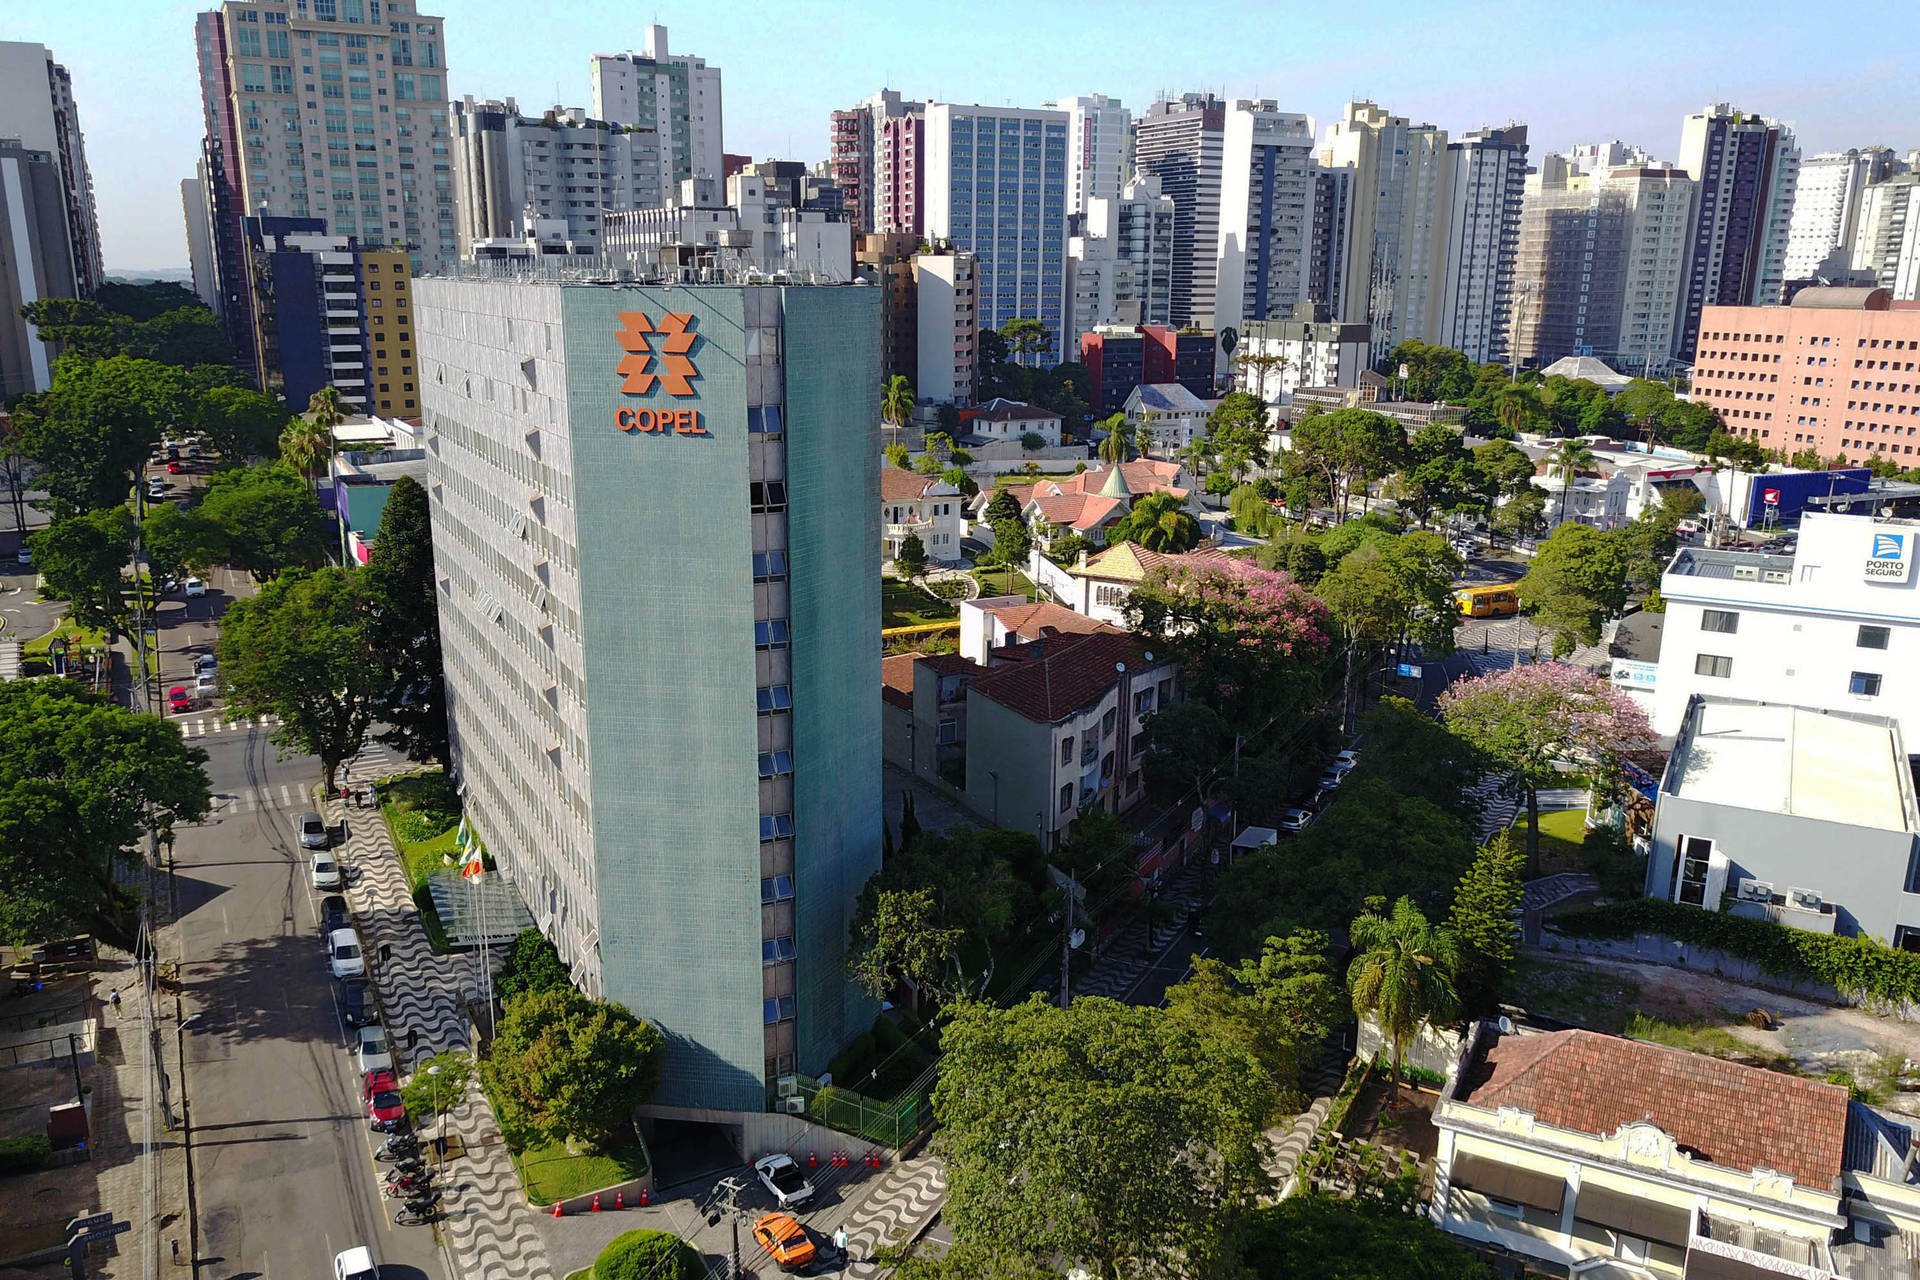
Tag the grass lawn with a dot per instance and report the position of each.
(1562, 832)
(89, 638)
(904, 605)
(554, 1173)
(1003, 582)
(413, 805)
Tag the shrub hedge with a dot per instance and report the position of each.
(24, 1155)
(1858, 968)
(647, 1255)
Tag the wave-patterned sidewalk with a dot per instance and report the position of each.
(902, 1205)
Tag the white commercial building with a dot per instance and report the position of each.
(193, 206)
(511, 171)
(675, 95)
(1835, 626)
(1266, 213)
(756, 229)
(37, 108)
(1486, 184)
(996, 184)
(1887, 239)
(1826, 204)
(1099, 149)
(1119, 269)
(1308, 349)
(1166, 418)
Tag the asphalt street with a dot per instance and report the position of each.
(282, 1153)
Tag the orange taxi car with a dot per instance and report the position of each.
(785, 1241)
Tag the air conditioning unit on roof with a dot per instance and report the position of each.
(1755, 891)
(1805, 899)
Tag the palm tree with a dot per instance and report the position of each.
(307, 440)
(1567, 459)
(1517, 405)
(896, 401)
(1117, 447)
(1403, 975)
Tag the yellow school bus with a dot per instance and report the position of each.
(1487, 602)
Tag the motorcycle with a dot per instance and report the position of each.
(413, 1189)
(398, 1146)
(409, 1215)
(408, 1173)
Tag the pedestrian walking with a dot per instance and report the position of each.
(113, 999)
(840, 1239)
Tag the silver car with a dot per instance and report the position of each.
(313, 830)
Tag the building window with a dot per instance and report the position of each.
(1693, 857)
(776, 764)
(777, 1009)
(767, 495)
(1066, 749)
(775, 698)
(769, 566)
(764, 420)
(1143, 702)
(776, 826)
(1066, 797)
(1713, 664)
(1108, 720)
(1864, 684)
(949, 731)
(1872, 637)
(770, 633)
(776, 889)
(776, 951)
(1720, 620)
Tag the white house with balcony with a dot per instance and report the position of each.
(911, 503)
(1166, 417)
(1834, 626)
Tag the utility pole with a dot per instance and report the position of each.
(1066, 946)
(726, 1203)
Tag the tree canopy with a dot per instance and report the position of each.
(1337, 1239)
(240, 423)
(1158, 522)
(262, 519)
(1403, 975)
(1279, 1007)
(1248, 637)
(567, 1068)
(91, 432)
(1486, 923)
(82, 560)
(1577, 580)
(403, 625)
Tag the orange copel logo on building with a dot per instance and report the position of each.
(661, 354)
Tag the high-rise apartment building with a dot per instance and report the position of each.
(1327, 248)
(1119, 267)
(37, 109)
(334, 110)
(511, 170)
(36, 261)
(996, 186)
(1180, 142)
(947, 304)
(1396, 227)
(658, 559)
(854, 143)
(675, 95)
(886, 262)
(1487, 185)
(199, 220)
(1099, 149)
(899, 175)
(755, 226)
(1744, 167)
(1886, 241)
(1265, 230)
(1826, 205)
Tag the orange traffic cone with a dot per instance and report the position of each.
(620, 1199)
(646, 1196)
(596, 1202)
(559, 1209)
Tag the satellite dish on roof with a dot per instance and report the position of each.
(1506, 1025)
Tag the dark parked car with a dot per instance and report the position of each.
(333, 913)
(356, 1005)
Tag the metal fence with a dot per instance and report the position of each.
(895, 1122)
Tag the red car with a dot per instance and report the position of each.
(173, 468)
(179, 700)
(382, 1094)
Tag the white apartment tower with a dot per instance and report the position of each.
(1266, 213)
(1119, 267)
(1179, 141)
(996, 185)
(1887, 240)
(675, 95)
(511, 170)
(1099, 149)
(1396, 250)
(1826, 204)
(335, 111)
(1488, 183)
(37, 108)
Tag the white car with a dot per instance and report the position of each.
(1294, 819)
(196, 588)
(356, 1264)
(156, 488)
(375, 1055)
(343, 955)
(782, 1176)
(326, 872)
(1345, 759)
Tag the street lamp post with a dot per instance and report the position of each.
(439, 1120)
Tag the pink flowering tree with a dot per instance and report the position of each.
(1544, 721)
(1251, 642)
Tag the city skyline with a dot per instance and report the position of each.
(134, 81)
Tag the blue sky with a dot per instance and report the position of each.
(1573, 72)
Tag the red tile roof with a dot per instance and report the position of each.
(1052, 679)
(1735, 1116)
(897, 484)
(1032, 621)
(896, 680)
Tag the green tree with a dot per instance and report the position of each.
(1502, 470)
(1347, 450)
(1295, 552)
(1236, 438)
(82, 560)
(240, 423)
(911, 560)
(1578, 579)
(403, 625)
(1391, 591)
(1437, 473)
(178, 542)
(1098, 851)
(1567, 460)
(1403, 974)
(645, 1254)
(531, 965)
(965, 1262)
(1417, 756)
(898, 940)
(1486, 923)
(1247, 638)
(1158, 522)
(1337, 1239)
(437, 1086)
(1256, 367)
(897, 456)
(1519, 407)
(1012, 540)
(1027, 340)
(1116, 446)
(83, 781)
(896, 401)
(1520, 516)
(1279, 1007)
(1187, 743)
(264, 520)
(1532, 722)
(307, 442)
(92, 431)
(1651, 540)
(565, 1068)
(1111, 1136)
(299, 651)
